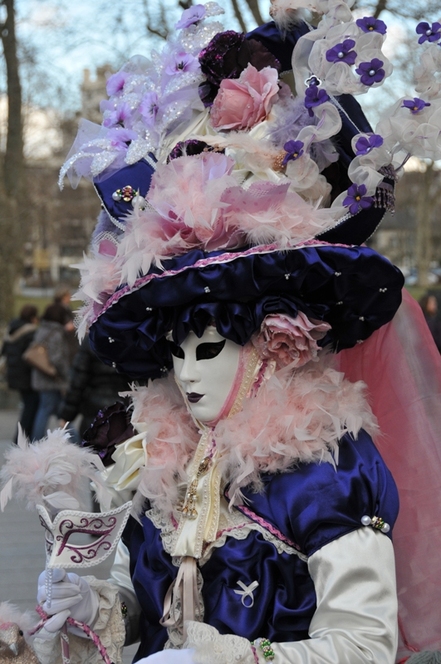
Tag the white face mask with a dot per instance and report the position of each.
(205, 369)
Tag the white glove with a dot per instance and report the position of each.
(169, 656)
(71, 596)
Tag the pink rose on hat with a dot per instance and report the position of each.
(243, 102)
(289, 340)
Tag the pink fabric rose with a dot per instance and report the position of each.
(243, 102)
(289, 340)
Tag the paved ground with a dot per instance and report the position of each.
(21, 543)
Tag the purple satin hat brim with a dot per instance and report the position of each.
(352, 288)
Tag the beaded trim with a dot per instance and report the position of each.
(265, 646)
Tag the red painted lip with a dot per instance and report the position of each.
(193, 397)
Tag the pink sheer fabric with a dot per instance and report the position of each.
(402, 368)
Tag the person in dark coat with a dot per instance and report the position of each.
(19, 336)
(51, 333)
(93, 385)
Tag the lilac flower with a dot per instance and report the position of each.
(120, 137)
(342, 52)
(428, 32)
(181, 62)
(366, 143)
(371, 72)
(190, 16)
(149, 108)
(356, 199)
(314, 96)
(294, 150)
(414, 105)
(117, 116)
(116, 82)
(372, 24)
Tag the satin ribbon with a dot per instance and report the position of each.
(183, 588)
(247, 591)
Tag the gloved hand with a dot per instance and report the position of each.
(169, 657)
(71, 596)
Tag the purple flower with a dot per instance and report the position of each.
(314, 96)
(356, 199)
(414, 105)
(120, 137)
(294, 150)
(110, 428)
(366, 143)
(371, 72)
(117, 116)
(372, 24)
(342, 52)
(428, 32)
(190, 16)
(149, 108)
(181, 62)
(116, 82)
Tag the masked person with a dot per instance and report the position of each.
(227, 266)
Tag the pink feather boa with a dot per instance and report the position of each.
(296, 417)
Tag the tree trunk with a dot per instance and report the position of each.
(425, 205)
(12, 172)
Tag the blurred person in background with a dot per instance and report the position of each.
(52, 334)
(19, 336)
(62, 297)
(429, 305)
(93, 386)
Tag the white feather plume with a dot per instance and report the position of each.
(52, 472)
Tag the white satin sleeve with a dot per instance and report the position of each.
(120, 577)
(356, 617)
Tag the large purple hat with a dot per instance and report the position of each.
(227, 197)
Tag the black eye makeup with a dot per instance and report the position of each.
(208, 351)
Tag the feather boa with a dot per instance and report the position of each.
(296, 417)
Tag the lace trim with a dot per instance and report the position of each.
(210, 647)
(238, 526)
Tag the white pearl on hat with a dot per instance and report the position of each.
(111, 340)
(337, 274)
(361, 318)
(116, 196)
(366, 520)
(207, 289)
(385, 528)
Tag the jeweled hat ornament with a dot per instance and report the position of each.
(229, 197)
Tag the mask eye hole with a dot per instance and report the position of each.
(176, 350)
(209, 351)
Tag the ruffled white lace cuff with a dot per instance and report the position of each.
(210, 647)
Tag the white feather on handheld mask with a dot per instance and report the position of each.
(52, 472)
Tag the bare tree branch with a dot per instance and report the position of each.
(238, 15)
(254, 8)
